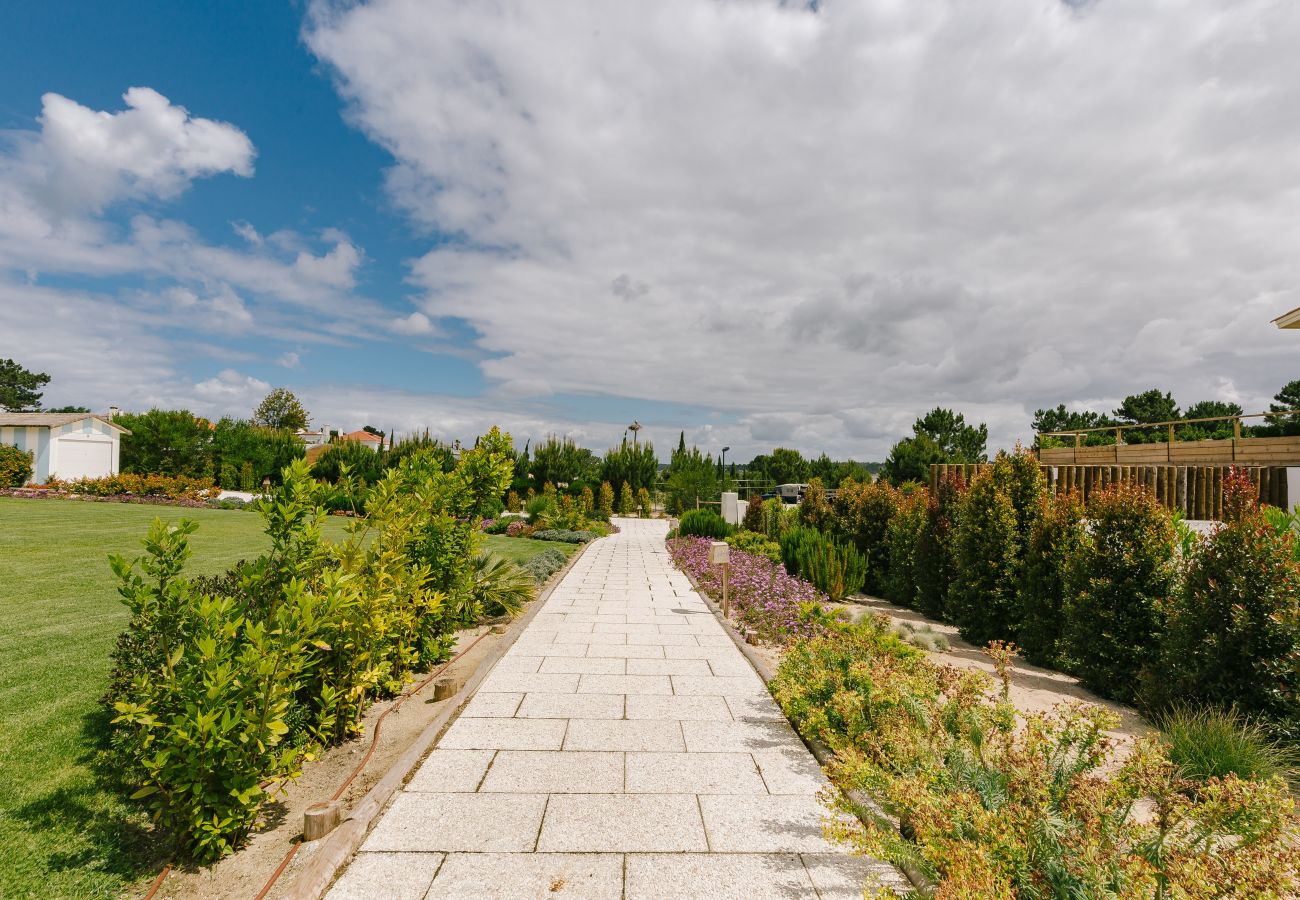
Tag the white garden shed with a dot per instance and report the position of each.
(69, 445)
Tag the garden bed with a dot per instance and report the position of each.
(1034, 689)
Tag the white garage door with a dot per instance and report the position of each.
(84, 459)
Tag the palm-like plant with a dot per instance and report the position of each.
(500, 586)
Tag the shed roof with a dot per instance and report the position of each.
(51, 420)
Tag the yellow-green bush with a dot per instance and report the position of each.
(219, 692)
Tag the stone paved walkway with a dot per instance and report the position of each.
(623, 747)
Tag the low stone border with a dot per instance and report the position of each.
(337, 849)
(863, 805)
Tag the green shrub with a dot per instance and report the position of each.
(564, 535)
(15, 466)
(703, 523)
(199, 726)
(777, 518)
(605, 500)
(229, 677)
(246, 477)
(981, 599)
(903, 538)
(934, 550)
(1210, 742)
(857, 685)
(861, 515)
(1116, 587)
(626, 502)
(814, 510)
(1232, 636)
(1052, 544)
(994, 805)
(229, 479)
(545, 564)
(999, 513)
(753, 518)
(755, 543)
(833, 568)
(644, 507)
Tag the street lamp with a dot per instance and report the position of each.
(724, 457)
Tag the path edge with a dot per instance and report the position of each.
(823, 754)
(337, 849)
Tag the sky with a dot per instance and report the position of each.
(762, 223)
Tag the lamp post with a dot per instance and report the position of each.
(724, 457)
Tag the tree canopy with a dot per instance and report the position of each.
(20, 388)
(281, 409)
(940, 436)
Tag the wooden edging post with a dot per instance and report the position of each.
(337, 848)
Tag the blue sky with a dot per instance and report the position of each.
(759, 222)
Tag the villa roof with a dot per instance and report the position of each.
(51, 420)
(361, 436)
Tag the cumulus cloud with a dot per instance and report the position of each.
(84, 159)
(335, 268)
(827, 218)
(417, 323)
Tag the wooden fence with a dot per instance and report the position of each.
(1256, 451)
(1196, 490)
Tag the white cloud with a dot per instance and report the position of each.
(247, 232)
(417, 323)
(828, 221)
(289, 360)
(85, 159)
(335, 268)
(231, 392)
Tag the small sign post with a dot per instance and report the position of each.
(720, 555)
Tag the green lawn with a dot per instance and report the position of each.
(61, 835)
(521, 549)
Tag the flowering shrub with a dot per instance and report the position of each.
(764, 597)
(179, 487)
(518, 528)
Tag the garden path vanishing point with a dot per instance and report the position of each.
(623, 747)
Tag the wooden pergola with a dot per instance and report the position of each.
(1288, 320)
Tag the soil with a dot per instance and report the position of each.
(243, 874)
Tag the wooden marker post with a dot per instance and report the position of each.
(720, 555)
